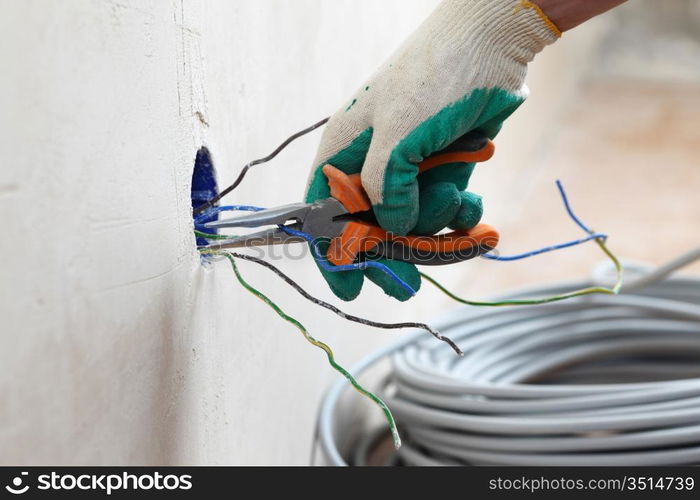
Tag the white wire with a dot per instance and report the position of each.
(599, 380)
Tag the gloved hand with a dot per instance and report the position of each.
(462, 70)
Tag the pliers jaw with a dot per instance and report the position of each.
(324, 220)
(271, 236)
(320, 219)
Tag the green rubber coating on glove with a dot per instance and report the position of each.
(407, 272)
(456, 173)
(403, 202)
(439, 204)
(470, 211)
(346, 285)
(481, 109)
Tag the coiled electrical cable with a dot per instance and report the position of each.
(599, 380)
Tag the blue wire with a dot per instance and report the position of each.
(525, 255)
(569, 210)
(347, 267)
(574, 217)
(203, 217)
(378, 265)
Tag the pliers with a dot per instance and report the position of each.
(346, 220)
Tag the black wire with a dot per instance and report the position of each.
(206, 206)
(344, 315)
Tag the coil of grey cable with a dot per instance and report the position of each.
(600, 380)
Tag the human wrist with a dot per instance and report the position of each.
(568, 14)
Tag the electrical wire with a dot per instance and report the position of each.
(329, 352)
(210, 236)
(356, 319)
(313, 243)
(544, 300)
(206, 210)
(199, 219)
(609, 380)
(248, 166)
(662, 272)
(600, 240)
(320, 259)
(539, 251)
(201, 229)
(327, 266)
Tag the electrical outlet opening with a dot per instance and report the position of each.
(204, 188)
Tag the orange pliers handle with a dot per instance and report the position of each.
(363, 237)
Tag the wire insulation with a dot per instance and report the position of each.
(544, 300)
(321, 260)
(329, 353)
(532, 253)
(313, 243)
(600, 240)
(356, 319)
(226, 208)
(610, 380)
(205, 211)
(598, 237)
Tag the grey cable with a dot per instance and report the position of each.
(663, 271)
(600, 380)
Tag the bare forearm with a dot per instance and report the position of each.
(568, 14)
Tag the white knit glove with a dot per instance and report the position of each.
(462, 70)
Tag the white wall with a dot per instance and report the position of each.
(117, 345)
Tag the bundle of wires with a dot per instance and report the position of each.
(597, 380)
(209, 209)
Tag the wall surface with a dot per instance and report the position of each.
(118, 346)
